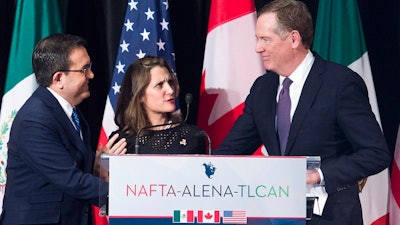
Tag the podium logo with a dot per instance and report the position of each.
(209, 169)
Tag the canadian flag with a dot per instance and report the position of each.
(230, 66)
(208, 216)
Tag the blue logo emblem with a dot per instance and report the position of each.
(210, 169)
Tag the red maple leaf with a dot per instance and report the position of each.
(221, 127)
(208, 216)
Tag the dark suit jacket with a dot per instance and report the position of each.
(333, 120)
(49, 167)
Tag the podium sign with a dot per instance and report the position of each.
(167, 189)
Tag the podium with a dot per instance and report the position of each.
(198, 189)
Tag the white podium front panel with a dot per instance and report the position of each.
(206, 189)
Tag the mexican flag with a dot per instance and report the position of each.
(183, 216)
(33, 21)
(339, 37)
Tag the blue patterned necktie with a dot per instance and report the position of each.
(75, 119)
(283, 114)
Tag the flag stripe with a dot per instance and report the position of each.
(236, 216)
(363, 68)
(183, 216)
(33, 21)
(208, 216)
(177, 216)
(227, 76)
(339, 25)
(146, 31)
(394, 201)
(43, 16)
(190, 216)
(339, 38)
(225, 11)
(108, 124)
(395, 181)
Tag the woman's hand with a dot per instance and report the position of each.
(111, 147)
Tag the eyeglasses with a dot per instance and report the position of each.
(85, 70)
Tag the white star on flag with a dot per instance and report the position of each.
(145, 31)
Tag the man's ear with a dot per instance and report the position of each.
(295, 37)
(57, 80)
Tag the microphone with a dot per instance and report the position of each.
(188, 100)
(148, 127)
(204, 134)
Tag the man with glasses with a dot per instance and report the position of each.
(50, 163)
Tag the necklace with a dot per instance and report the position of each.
(169, 125)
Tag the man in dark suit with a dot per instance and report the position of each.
(50, 160)
(329, 113)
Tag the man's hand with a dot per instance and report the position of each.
(118, 148)
(312, 177)
(98, 170)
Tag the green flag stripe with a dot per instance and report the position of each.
(33, 21)
(177, 216)
(339, 34)
(339, 37)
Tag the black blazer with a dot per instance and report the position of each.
(49, 166)
(333, 119)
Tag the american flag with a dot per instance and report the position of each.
(394, 197)
(235, 216)
(146, 31)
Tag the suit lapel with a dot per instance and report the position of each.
(86, 142)
(66, 123)
(308, 94)
(85, 129)
(69, 129)
(270, 141)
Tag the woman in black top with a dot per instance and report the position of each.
(147, 98)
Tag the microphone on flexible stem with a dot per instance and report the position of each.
(204, 134)
(148, 127)
(188, 100)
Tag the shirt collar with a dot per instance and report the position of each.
(64, 103)
(300, 74)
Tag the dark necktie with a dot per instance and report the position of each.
(75, 119)
(283, 114)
